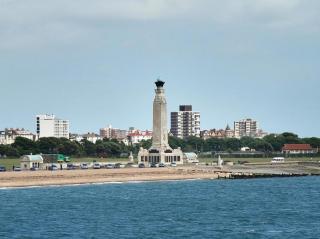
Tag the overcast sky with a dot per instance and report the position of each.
(95, 62)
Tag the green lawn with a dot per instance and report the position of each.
(8, 163)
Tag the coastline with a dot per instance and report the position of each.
(80, 177)
(27, 179)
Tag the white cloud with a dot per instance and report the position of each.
(24, 23)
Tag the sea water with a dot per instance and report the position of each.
(254, 208)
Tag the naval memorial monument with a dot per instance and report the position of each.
(160, 151)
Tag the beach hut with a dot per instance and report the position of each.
(31, 161)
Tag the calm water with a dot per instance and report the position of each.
(266, 208)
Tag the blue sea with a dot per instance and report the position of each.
(254, 208)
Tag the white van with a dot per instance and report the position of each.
(278, 160)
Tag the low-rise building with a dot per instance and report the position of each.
(298, 149)
(8, 136)
(190, 157)
(31, 161)
(217, 133)
(137, 136)
(92, 137)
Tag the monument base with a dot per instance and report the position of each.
(160, 156)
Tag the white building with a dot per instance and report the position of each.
(190, 157)
(50, 126)
(245, 127)
(31, 161)
(8, 136)
(91, 137)
(137, 136)
(185, 122)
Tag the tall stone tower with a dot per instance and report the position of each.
(160, 151)
(160, 131)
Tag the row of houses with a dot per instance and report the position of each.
(129, 138)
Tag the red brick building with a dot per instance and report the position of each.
(298, 149)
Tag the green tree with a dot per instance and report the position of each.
(247, 142)
(146, 144)
(68, 147)
(8, 151)
(262, 145)
(25, 146)
(214, 144)
(49, 145)
(176, 142)
(232, 144)
(276, 141)
(193, 143)
(108, 149)
(89, 148)
(313, 141)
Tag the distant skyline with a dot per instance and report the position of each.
(95, 63)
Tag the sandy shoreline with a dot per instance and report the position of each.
(91, 176)
(65, 177)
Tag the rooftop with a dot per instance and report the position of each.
(297, 147)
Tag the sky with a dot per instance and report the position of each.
(95, 62)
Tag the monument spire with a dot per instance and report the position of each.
(160, 130)
(160, 151)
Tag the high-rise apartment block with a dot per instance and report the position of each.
(185, 122)
(245, 127)
(50, 126)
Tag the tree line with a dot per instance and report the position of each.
(112, 148)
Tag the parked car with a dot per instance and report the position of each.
(84, 166)
(109, 166)
(161, 165)
(173, 164)
(51, 167)
(128, 165)
(35, 169)
(153, 165)
(118, 165)
(17, 169)
(2, 169)
(96, 166)
(141, 165)
(70, 166)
